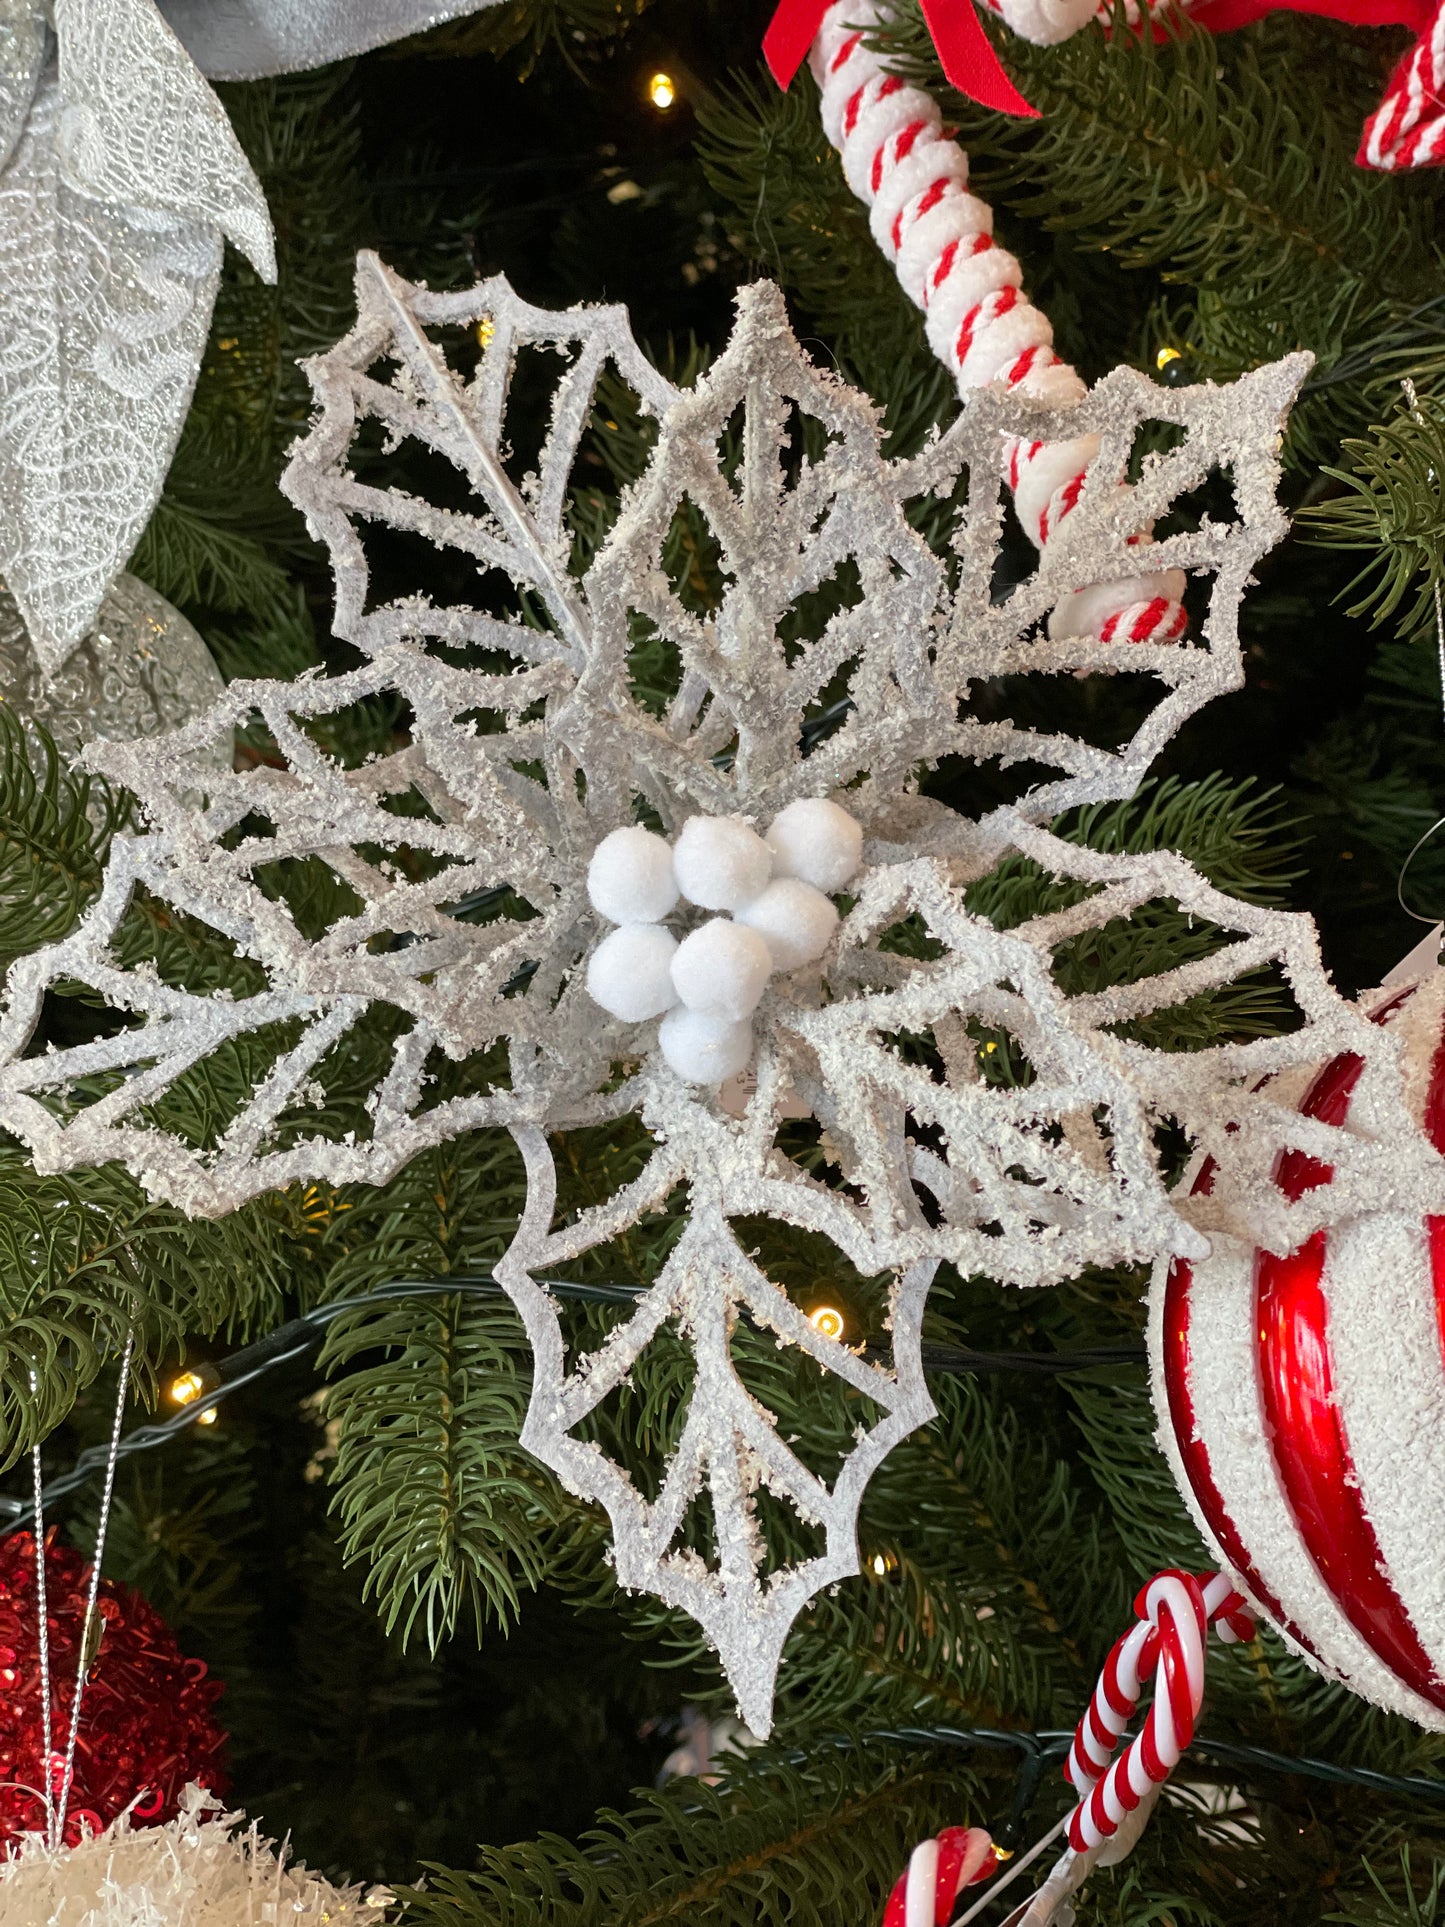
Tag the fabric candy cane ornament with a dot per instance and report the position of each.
(1301, 1399)
(1407, 129)
(979, 322)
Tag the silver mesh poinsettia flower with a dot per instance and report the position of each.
(586, 682)
(119, 178)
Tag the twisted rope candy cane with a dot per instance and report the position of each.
(938, 1871)
(1407, 129)
(1175, 1613)
(980, 323)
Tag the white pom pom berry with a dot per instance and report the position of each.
(719, 862)
(703, 1048)
(817, 842)
(629, 879)
(630, 972)
(795, 920)
(722, 968)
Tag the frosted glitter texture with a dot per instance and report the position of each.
(534, 735)
(203, 1869)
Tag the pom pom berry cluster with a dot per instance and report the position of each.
(776, 915)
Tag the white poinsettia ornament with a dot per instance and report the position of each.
(634, 837)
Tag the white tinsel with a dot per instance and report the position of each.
(205, 1868)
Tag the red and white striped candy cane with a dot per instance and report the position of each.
(1407, 129)
(1175, 1612)
(980, 323)
(938, 1871)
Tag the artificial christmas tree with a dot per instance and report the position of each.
(335, 1555)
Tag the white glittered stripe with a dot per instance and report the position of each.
(1227, 1412)
(1389, 1378)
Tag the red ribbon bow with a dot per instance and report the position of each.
(1409, 128)
(968, 57)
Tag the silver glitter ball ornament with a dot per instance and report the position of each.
(141, 671)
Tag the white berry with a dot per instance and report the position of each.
(817, 842)
(629, 879)
(703, 1048)
(719, 862)
(795, 920)
(630, 972)
(722, 968)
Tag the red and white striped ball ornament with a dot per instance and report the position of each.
(1302, 1405)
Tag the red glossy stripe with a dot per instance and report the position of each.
(1303, 1421)
(1193, 1452)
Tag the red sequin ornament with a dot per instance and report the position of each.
(146, 1722)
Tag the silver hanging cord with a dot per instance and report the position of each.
(43, 1612)
(1413, 401)
(87, 1651)
(1418, 915)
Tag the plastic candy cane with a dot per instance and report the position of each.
(980, 323)
(938, 1871)
(1175, 1613)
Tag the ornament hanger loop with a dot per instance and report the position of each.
(1420, 843)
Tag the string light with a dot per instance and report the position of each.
(186, 1389)
(1164, 357)
(208, 1417)
(662, 92)
(881, 1564)
(828, 1320)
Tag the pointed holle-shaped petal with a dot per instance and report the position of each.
(103, 317)
(141, 128)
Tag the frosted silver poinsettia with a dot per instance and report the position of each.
(760, 627)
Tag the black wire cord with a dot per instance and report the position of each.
(1036, 1751)
(301, 1335)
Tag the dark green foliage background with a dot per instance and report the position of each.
(426, 1658)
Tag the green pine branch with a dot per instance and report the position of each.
(430, 1487)
(806, 1845)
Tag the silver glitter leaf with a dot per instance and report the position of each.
(589, 684)
(113, 199)
(103, 317)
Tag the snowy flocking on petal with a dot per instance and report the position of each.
(593, 680)
(112, 207)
